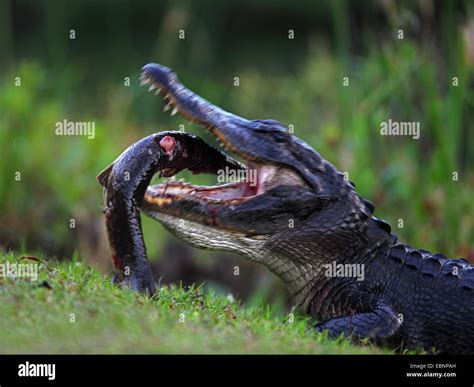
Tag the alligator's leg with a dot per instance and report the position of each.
(370, 318)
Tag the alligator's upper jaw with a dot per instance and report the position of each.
(178, 99)
(259, 176)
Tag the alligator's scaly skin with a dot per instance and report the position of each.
(406, 298)
(432, 294)
(409, 298)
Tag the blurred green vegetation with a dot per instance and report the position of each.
(298, 82)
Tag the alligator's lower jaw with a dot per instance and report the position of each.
(209, 237)
(227, 193)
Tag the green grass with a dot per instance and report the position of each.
(82, 312)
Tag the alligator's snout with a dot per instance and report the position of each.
(261, 142)
(162, 75)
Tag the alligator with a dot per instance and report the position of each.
(302, 219)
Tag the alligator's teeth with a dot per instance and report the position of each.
(166, 107)
(172, 178)
(144, 81)
(157, 91)
(174, 111)
(152, 87)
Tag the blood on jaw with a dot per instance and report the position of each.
(168, 143)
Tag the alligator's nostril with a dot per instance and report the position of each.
(168, 143)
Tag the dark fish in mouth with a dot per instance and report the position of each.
(125, 182)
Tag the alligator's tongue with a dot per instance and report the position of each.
(126, 181)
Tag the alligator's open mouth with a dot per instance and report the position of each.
(232, 192)
(253, 179)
